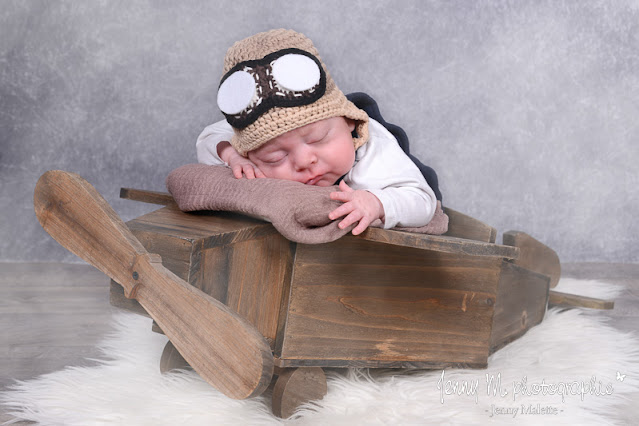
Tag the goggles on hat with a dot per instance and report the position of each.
(286, 78)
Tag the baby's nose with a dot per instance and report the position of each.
(305, 158)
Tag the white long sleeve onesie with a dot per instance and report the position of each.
(381, 167)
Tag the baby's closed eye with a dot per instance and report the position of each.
(270, 157)
(274, 159)
(318, 137)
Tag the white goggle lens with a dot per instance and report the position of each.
(296, 72)
(236, 92)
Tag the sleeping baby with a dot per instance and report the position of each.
(286, 119)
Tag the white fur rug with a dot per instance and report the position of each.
(571, 369)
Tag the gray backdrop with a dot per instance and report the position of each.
(528, 110)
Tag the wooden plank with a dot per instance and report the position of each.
(369, 363)
(565, 300)
(374, 302)
(439, 243)
(259, 271)
(521, 304)
(210, 273)
(464, 226)
(152, 197)
(214, 228)
(380, 265)
(173, 221)
(282, 315)
(534, 255)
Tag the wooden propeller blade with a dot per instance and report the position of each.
(224, 348)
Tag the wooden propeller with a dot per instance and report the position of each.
(225, 349)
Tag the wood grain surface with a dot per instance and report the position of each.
(534, 255)
(442, 243)
(375, 304)
(145, 196)
(565, 300)
(463, 226)
(521, 304)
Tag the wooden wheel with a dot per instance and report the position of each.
(172, 359)
(295, 386)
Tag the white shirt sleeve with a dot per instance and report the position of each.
(206, 145)
(382, 168)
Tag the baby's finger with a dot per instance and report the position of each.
(259, 173)
(341, 196)
(237, 171)
(344, 187)
(342, 210)
(248, 171)
(353, 217)
(361, 226)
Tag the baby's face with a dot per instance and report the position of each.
(316, 154)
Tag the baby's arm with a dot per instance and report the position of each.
(207, 142)
(213, 148)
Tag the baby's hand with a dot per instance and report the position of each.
(359, 206)
(240, 165)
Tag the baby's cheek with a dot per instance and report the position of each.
(269, 172)
(346, 163)
(281, 172)
(265, 169)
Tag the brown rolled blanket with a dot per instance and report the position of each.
(299, 212)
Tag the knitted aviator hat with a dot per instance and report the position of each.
(275, 82)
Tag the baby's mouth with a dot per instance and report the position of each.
(314, 180)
